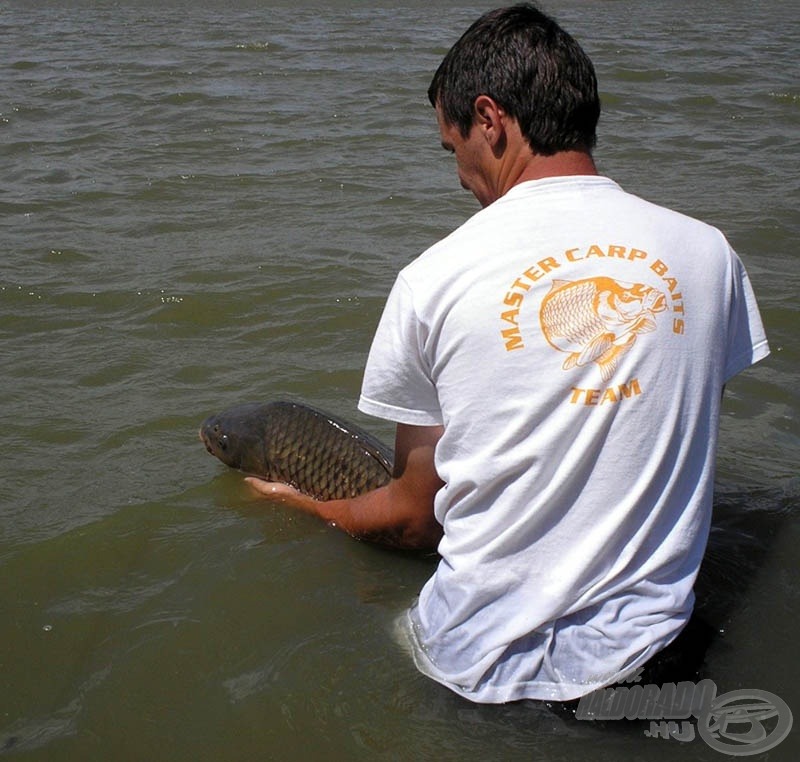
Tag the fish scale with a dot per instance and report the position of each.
(569, 313)
(313, 451)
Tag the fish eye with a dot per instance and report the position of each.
(223, 441)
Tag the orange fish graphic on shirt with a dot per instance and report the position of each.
(598, 319)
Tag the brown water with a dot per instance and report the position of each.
(207, 203)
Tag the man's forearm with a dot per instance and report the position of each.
(387, 516)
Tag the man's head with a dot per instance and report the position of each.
(532, 68)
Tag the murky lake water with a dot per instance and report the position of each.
(207, 203)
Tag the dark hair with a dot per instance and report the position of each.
(530, 66)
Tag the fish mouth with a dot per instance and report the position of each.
(214, 440)
(655, 302)
(205, 440)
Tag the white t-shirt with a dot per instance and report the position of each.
(573, 340)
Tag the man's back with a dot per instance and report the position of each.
(574, 341)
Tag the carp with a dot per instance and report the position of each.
(313, 451)
(598, 319)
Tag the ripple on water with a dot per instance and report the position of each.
(204, 207)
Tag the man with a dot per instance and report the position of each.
(555, 368)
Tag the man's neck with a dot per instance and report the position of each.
(562, 164)
(509, 160)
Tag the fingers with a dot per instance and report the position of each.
(278, 492)
(274, 490)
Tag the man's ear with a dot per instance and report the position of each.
(489, 117)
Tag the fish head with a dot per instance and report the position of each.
(631, 300)
(235, 437)
(653, 300)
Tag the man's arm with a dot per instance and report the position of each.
(399, 514)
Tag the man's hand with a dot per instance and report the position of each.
(277, 491)
(399, 514)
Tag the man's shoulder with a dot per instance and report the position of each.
(465, 241)
(649, 208)
(543, 215)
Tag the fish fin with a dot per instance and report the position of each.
(559, 283)
(625, 340)
(609, 360)
(571, 361)
(644, 325)
(596, 348)
(608, 366)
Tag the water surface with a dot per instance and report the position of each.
(207, 203)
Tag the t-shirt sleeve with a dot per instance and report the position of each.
(747, 342)
(397, 381)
